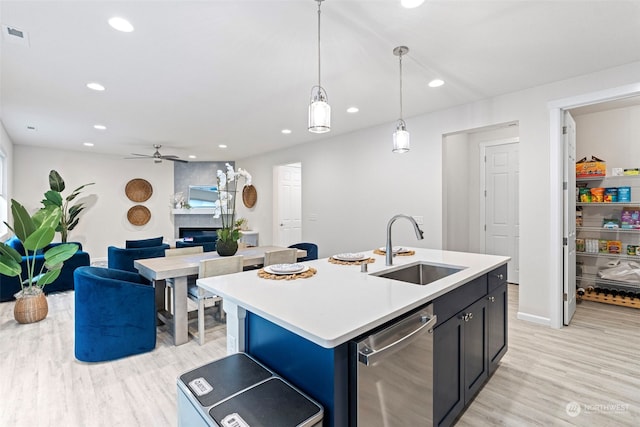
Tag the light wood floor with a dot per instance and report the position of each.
(595, 363)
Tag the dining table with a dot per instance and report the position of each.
(178, 269)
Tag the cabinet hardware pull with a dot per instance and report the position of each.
(470, 316)
(500, 276)
(492, 299)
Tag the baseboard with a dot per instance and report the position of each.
(533, 318)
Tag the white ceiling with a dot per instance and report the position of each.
(195, 74)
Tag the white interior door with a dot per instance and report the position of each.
(502, 224)
(288, 203)
(569, 228)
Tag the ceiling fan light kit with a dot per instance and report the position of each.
(157, 157)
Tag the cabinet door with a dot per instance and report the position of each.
(448, 393)
(475, 362)
(497, 322)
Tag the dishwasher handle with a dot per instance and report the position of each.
(368, 356)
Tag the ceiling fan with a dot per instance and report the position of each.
(157, 157)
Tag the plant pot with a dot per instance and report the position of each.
(227, 248)
(30, 308)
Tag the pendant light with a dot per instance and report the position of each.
(401, 140)
(319, 109)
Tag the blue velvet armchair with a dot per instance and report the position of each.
(10, 285)
(115, 314)
(122, 258)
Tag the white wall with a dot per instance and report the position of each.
(354, 184)
(611, 135)
(104, 220)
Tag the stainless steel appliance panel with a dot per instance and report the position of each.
(394, 373)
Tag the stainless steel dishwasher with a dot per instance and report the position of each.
(393, 367)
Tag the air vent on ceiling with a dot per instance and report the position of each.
(15, 35)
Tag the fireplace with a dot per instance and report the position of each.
(196, 231)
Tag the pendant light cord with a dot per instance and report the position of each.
(319, 2)
(400, 85)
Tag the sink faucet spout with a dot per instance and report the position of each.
(389, 246)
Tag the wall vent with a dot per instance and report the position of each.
(15, 35)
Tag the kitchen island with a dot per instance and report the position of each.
(301, 328)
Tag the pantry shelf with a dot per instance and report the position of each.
(596, 280)
(603, 204)
(608, 255)
(608, 230)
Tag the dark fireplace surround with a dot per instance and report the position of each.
(187, 232)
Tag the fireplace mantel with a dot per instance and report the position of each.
(195, 211)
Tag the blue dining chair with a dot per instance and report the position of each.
(311, 248)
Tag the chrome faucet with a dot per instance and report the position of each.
(389, 247)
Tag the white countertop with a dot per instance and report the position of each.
(339, 302)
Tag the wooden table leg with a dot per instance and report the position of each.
(180, 320)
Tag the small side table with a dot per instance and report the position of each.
(249, 237)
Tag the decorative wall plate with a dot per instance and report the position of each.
(139, 215)
(249, 196)
(138, 190)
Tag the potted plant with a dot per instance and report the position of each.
(36, 233)
(241, 224)
(69, 218)
(225, 209)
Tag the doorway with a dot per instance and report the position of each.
(560, 167)
(287, 204)
(499, 201)
(464, 204)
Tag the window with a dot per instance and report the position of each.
(4, 205)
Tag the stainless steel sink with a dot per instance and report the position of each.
(419, 273)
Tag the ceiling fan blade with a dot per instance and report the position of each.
(141, 155)
(169, 156)
(175, 160)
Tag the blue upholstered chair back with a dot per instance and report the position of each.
(122, 259)
(311, 248)
(115, 314)
(208, 242)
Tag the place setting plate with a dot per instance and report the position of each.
(395, 249)
(349, 256)
(286, 268)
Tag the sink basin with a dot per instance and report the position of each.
(419, 273)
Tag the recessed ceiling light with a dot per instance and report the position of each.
(222, 146)
(410, 4)
(353, 110)
(121, 24)
(88, 144)
(191, 156)
(286, 131)
(100, 127)
(436, 83)
(95, 86)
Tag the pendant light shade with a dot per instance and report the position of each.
(319, 111)
(401, 137)
(319, 108)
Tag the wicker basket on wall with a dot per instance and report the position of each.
(139, 215)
